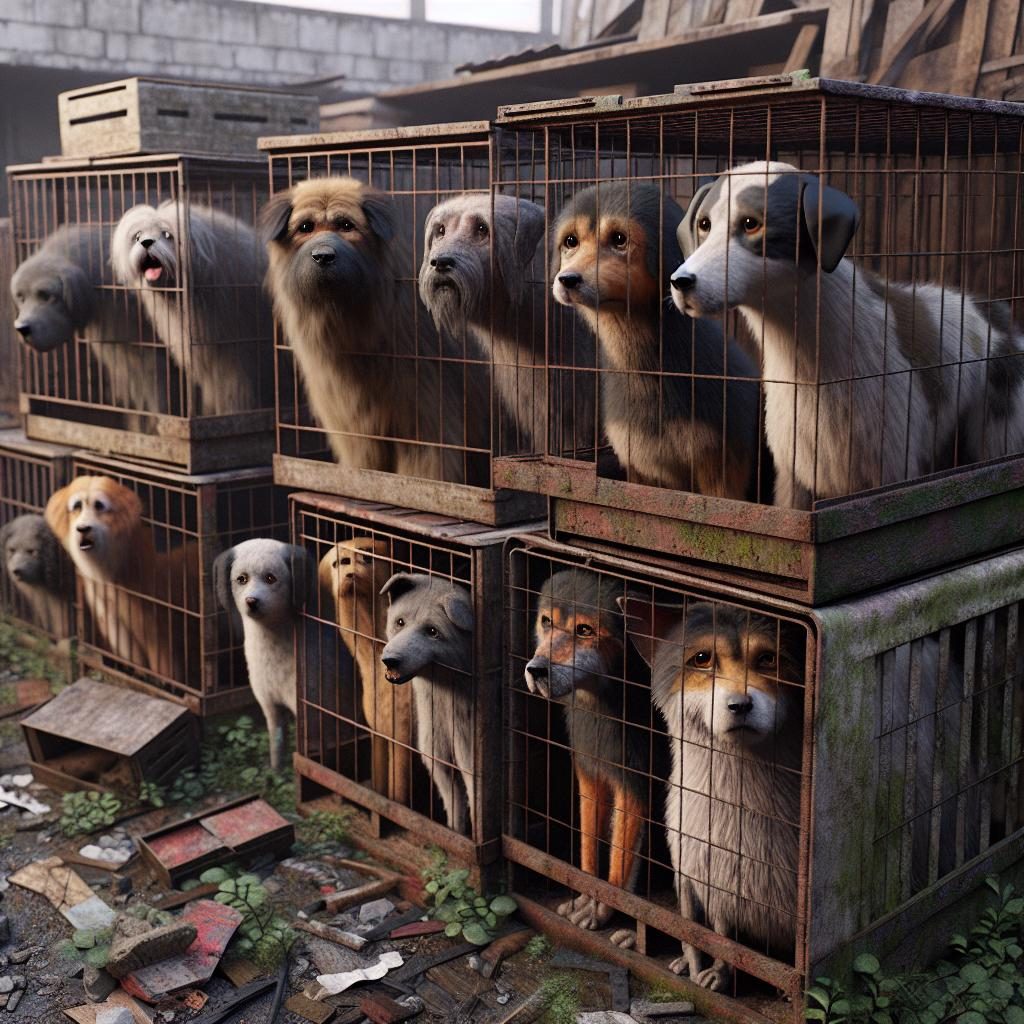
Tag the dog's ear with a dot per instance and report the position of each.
(273, 218)
(303, 574)
(457, 607)
(50, 555)
(647, 622)
(5, 531)
(833, 215)
(58, 518)
(379, 215)
(399, 584)
(686, 233)
(519, 227)
(222, 579)
(78, 294)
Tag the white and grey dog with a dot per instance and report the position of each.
(867, 382)
(219, 329)
(266, 582)
(32, 558)
(430, 643)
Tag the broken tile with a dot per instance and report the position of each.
(66, 891)
(310, 1009)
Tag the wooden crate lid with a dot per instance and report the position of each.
(110, 717)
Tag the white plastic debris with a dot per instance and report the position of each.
(332, 984)
(22, 781)
(22, 800)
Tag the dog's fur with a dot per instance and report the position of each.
(579, 661)
(58, 292)
(198, 273)
(374, 369)
(669, 425)
(430, 644)
(39, 571)
(843, 411)
(267, 582)
(719, 678)
(352, 573)
(475, 279)
(126, 583)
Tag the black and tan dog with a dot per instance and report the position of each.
(680, 404)
(579, 661)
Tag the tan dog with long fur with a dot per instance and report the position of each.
(374, 369)
(353, 573)
(131, 589)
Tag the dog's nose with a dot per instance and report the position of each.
(442, 263)
(83, 528)
(323, 256)
(537, 671)
(390, 661)
(571, 280)
(18, 572)
(146, 242)
(252, 602)
(23, 328)
(740, 703)
(683, 280)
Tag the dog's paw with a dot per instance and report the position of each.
(570, 907)
(716, 977)
(681, 965)
(592, 915)
(624, 938)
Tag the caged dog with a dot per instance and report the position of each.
(218, 331)
(266, 582)
(430, 643)
(475, 280)
(906, 379)
(669, 416)
(58, 292)
(391, 395)
(39, 571)
(353, 573)
(579, 661)
(137, 596)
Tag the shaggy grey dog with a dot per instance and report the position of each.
(199, 275)
(267, 582)
(32, 558)
(58, 292)
(430, 643)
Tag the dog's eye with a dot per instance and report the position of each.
(704, 224)
(76, 505)
(166, 235)
(344, 224)
(432, 632)
(270, 578)
(618, 239)
(570, 241)
(137, 236)
(440, 231)
(702, 659)
(399, 622)
(242, 579)
(482, 231)
(751, 225)
(99, 506)
(306, 227)
(585, 629)
(545, 622)
(767, 661)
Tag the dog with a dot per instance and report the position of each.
(38, 569)
(864, 383)
(669, 416)
(266, 582)
(353, 573)
(389, 393)
(721, 678)
(579, 661)
(58, 292)
(133, 592)
(430, 644)
(198, 274)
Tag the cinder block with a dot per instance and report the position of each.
(181, 19)
(117, 46)
(292, 61)
(466, 46)
(395, 41)
(237, 24)
(193, 51)
(59, 12)
(254, 58)
(113, 15)
(151, 49)
(17, 10)
(28, 38)
(277, 28)
(335, 64)
(318, 32)
(405, 71)
(371, 68)
(85, 42)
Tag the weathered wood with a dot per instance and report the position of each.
(799, 56)
(971, 47)
(895, 59)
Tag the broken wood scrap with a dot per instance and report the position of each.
(324, 931)
(505, 946)
(336, 902)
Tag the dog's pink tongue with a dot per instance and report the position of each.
(153, 273)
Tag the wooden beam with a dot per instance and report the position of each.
(1003, 63)
(840, 54)
(971, 50)
(802, 46)
(654, 22)
(895, 60)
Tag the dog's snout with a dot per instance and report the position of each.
(83, 528)
(537, 670)
(252, 603)
(146, 241)
(442, 263)
(323, 255)
(571, 279)
(683, 280)
(740, 703)
(390, 660)
(23, 327)
(18, 572)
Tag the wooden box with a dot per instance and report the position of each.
(93, 733)
(154, 115)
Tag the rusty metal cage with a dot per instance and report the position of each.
(910, 416)
(43, 596)
(172, 638)
(473, 383)
(147, 331)
(875, 782)
(369, 739)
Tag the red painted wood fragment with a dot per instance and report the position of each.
(406, 931)
(240, 825)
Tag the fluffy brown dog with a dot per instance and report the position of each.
(353, 573)
(375, 371)
(131, 589)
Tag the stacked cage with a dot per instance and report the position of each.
(763, 678)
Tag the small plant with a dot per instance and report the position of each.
(263, 936)
(465, 912)
(85, 812)
(538, 947)
(562, 998)
(151, 793)
(89, 946)
(322, 832)
(29, 656)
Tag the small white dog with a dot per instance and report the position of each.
(266, 581)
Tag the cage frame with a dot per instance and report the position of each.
(196, 443)
(842, 546)
(494, 505)
(843, 695)
(482, 546)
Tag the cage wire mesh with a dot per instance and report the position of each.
(180, 642)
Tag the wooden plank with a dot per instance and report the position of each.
(971, 48)
(740, 10)
(894, 60)
(840, 54)
(654, 23)
(803, 44)
(1003, 63)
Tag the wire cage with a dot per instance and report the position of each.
(445, 327)
(822, 414)
(403, 727)
(140, 301)
(161, 629)
(777, 789)
(37, 583)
